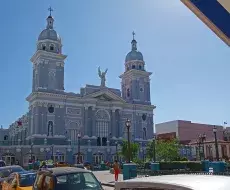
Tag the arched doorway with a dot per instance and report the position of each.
(102, 127)
(8, 158)
(59, 157)
(98, 158)
(81, 160)
(117, 157)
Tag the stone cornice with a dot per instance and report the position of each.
(39, 53)
(35, 95)
(135, 72)
(107, 92)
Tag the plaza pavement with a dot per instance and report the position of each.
(106, 178)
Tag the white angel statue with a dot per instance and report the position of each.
(102, 76)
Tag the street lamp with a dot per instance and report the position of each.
(216, 143)
(201, 139)
(52, 152)
(31, 151)
(154, 148)
(128, 125)
(78, 153)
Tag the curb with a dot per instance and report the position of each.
(108, 184)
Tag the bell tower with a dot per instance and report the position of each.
(135, 81)
(48, 60)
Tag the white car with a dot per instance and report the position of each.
(176, 182)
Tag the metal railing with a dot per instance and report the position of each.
(147, 172)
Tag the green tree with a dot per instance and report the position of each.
(167, 150)
(134, 148)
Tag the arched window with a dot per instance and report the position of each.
(128, 92)
(51, 47)
(102, 127)
(50, 128)
(73, 131)
(43, 47)
(140, 67)
(144, 133)
(133, 66)
(6, 138)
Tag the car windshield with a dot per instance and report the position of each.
(81, 180)
(27, 180)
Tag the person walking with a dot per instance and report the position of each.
(116, 169)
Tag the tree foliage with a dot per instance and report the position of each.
(167, 150)
(134, 148)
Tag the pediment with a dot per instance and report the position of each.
(105, 95)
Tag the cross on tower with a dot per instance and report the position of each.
(50, 10)
(133, 34)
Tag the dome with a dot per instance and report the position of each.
(49, 34)
(134, 55)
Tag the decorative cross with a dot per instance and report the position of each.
(133, 34)
(50, 10)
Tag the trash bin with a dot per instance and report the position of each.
(30, 166)
(103, 166)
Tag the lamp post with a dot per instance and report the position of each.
(201, 139)
(128, 125)
(79, 151)
(31, 151)
(216, 143)
(154, 148)
(52, 152)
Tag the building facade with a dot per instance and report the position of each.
(187, 131)
(190, 134)
(58, 122)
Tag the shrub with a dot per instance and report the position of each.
(192, 166)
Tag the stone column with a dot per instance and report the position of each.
(36, 131)
(205, 151)
(228, 153)
(220, 151)
(86, 130)
(93, 130)
(113, 126)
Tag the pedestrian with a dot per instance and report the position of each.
(43, 166)
(116, 169)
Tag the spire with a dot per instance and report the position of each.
(50, 19)
(50, 10)
(134, 42)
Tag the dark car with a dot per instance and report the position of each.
(7, 170)
(2, 163)
(70, 178)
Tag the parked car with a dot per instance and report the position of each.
(2, 163)
(7, 170)
(176, 182)
(70, 178)
(19, 181)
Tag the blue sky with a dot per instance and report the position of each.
(190, 64)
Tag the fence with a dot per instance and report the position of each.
(147, 172)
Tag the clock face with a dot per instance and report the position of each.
(51, 109)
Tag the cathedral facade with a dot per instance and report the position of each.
(59, 123)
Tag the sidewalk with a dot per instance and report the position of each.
(106, 178)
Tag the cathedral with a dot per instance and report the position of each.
(60, 124)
